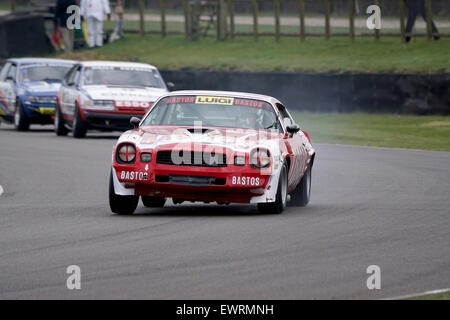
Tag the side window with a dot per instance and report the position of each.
(12, 72)
(4, 71)
(68, 75)
(76, 75)
(287, 120)
(73, 75)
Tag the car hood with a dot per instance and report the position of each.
(169, 137)
(41, 87)
(121, 93)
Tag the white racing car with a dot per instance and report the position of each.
(103, 95)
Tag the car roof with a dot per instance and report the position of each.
(40, 60)
(234, 94)
(116, 64)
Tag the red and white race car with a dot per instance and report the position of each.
(102, 95)
(211, 146)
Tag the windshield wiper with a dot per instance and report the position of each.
(52, 79)
(129, 86)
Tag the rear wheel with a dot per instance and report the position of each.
(79, 126)
(21, 121)
(279, 204)
(302, 193)
(60, 128)
(153, 202)
(122, 205)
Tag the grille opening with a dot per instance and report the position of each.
(188, 158)
(190, 180)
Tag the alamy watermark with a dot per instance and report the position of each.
(374, 280)
(374, 21)
(74, 20)
(73, 281)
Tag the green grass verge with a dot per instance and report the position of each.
(437, 296)
(243, 53)
(380, 130)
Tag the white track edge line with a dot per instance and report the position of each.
(414, 295)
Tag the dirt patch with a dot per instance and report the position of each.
(437, 124)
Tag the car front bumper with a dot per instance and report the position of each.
(109, 121)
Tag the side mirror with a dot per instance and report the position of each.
(170, 85)
(293, 128)
(9, 78)
(135, 121)
(70, 84)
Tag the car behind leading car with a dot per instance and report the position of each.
(103, 95)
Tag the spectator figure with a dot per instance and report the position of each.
(94, 11)
(61, 17)
(416, 7)
(119, 11)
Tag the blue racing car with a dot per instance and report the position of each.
(28, 90)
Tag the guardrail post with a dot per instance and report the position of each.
(352, 20)
(402, 20)
(141, 17)
(255, 19)
(429, 20)
(231, 13)
(162, 5)
(277, 19)
(187, 24)
(327, 18)
(222, 20)
(302, 19)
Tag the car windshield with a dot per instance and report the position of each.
(212, 111)
(43, 72)
(122, 77)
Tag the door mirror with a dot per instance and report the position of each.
(70, 84)
(293, 128)
(10, 79)
(135, 121)
(170, 85)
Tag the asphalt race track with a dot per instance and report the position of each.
(370, 206)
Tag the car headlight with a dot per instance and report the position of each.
(89, 104)
(126, 153)
(259, 158)
(43, 99)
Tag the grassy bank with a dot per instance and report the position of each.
(394, 131)
(437, 296)
(243, 53)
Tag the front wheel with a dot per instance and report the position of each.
(79, 126)
(122, 205)
(302, 193)
(21, 122)
(60, 128)
(153, 202)
(279, 204)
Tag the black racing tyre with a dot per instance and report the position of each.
(153, 202)
(302, 193)
(79, 126)
(21, 121)
(122, 205)
(60, 128)
(279, 204)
